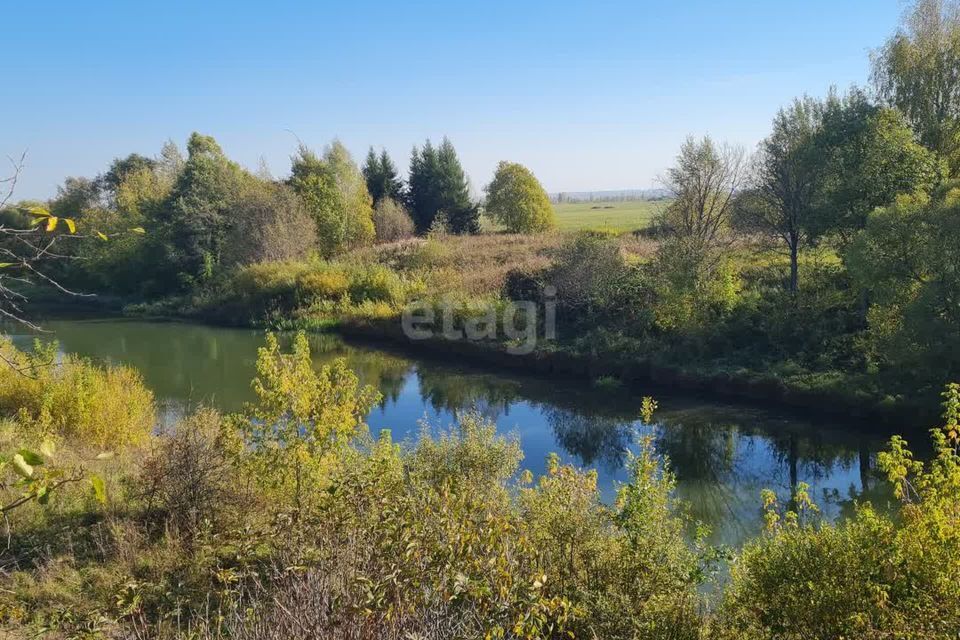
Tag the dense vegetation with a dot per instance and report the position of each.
(823, 266)
(819, 268)
(289, 519)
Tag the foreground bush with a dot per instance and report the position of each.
(74, 399)
(289, 520)
(876, 575)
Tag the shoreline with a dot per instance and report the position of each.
(633, 374)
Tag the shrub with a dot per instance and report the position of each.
(692, 288)
(376, 284)
(628, 571)
(584, 268)
(392, 221)
(71, 398)
(270, 224)
(872, 576)
(188, 477)
(293, 435)
(328, 284)
(273, 291)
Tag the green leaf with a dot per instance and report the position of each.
(43, 495)
(30, 457)
(4, 265)
(21, 467)
(99, 488)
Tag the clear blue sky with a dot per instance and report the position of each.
(589, 95)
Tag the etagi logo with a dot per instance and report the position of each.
(519, 323)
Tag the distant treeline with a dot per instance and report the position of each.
(625, 195)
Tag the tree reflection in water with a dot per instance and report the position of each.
(722, 454)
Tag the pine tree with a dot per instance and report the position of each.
(421, 184)
(381, 175)
(463, 215)
(438, 184)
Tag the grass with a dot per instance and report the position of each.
(470, 265)
(617, 216)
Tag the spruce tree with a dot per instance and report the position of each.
(381, 175)
(463, 215)
(371, 173)
(393, 185)
(438, 184)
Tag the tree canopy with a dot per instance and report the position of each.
(335, 193)
(869, 155)
(381, 175)
(517, 200)
(916, 72)
(438, 185)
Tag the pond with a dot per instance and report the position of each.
(722, 454)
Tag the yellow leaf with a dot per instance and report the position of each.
(37, 211)
(52, 223)
(71, 225)
(99, 489)
(47, 449)
(102, 236)
(21, 467)
(139, 230)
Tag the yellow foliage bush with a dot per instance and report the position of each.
(71, 398)
(326, 284)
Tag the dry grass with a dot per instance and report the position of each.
(478, 265)
(483, 261)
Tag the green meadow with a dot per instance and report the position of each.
(620, 216)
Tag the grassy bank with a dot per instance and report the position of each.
(604, 309)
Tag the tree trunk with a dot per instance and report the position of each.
(794, 263)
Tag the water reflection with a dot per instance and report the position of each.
(723, 455)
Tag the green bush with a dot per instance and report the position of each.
(325, 284)
(875, 575)
(375, 283)
(276, 291)
(392, 221)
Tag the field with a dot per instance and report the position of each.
(620, 216)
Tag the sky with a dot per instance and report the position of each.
(589, 95)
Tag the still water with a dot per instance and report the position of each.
(722, 454)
